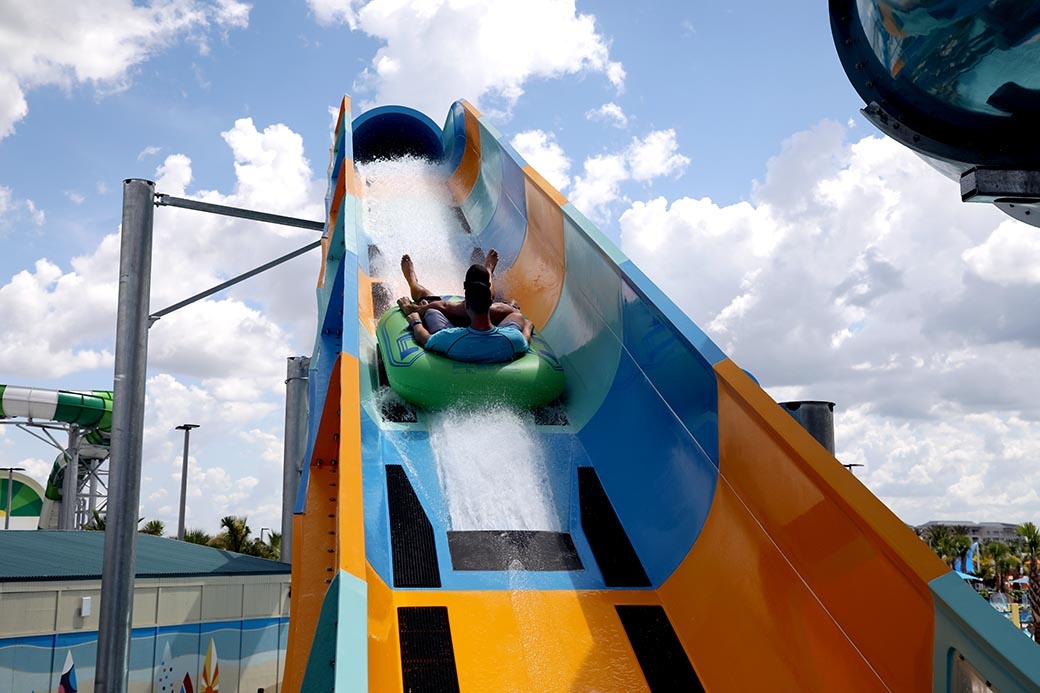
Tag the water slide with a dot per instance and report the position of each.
(90, 411)
(687, 534)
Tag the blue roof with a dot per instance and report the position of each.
(77, 555)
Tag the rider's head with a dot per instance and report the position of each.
(478, 289)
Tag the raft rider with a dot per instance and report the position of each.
(476, 330)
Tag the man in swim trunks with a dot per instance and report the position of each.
(476, 330)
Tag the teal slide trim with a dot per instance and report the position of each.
(339, 653)
(966, 624)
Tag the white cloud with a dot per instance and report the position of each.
(61, 320)
(655, 155)
(854, 274)
(52, 321)
(13, 106)
(335, 11)
(610, 113)
(599, 186)
(1011, 255)
(14, 210)
(95, 42)
(442, 50)
(150, 150)
(76, 198)
(544, 153)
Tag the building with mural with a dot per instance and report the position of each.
(203, 619)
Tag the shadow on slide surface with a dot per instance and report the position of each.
(697, 537)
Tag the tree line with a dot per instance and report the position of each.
(235, 535)
(999, 561)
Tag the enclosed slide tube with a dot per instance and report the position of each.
(704, 539)
(955, 81)
(90, 411)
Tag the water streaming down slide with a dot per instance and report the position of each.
(675, 529)
(489, 461)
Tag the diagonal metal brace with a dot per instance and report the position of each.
(164, 200)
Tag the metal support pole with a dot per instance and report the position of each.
(10, 494)
(92, 501)
(117, 578)
(295, 445)
(184, 478)
(70, 489)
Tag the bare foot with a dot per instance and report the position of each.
(491, 261)
(408, 269)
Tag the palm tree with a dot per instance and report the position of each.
(997, 553)
(935, 535)
(96, 524)
(264, 550)
(154, 527)
(235, 536)
(197, 536)
(1031, 553)
(961, 545)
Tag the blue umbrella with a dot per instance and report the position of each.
(966, 576)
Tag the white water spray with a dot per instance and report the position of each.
(408, 209)
(493, 471)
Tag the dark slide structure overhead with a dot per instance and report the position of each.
(957, 81)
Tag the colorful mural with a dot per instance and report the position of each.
(166, 659)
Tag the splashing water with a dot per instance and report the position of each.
(493, 471)
(491, 466)
(408, 209)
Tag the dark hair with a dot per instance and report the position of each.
(478, 288)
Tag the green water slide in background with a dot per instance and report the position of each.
(25, 500)
(90, 409)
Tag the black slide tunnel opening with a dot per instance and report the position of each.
(390, 132)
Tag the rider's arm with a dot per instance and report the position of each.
(419, 331)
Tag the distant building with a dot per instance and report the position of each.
(981, 532)
(203, 619)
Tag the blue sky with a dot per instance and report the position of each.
(719, 144)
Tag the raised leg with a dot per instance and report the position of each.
(416, 289)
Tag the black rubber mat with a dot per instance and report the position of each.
(611, 548)
(512, 550)
(427, 655)
(657, 647)
(412, 545)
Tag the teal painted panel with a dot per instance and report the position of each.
(339, 652)
(592, 232)
(653, 296)
(585, 327)
(349, 218)
(352, 635)
(967, 624)
(485, 197)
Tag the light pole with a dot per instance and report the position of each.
(262, 530)
(10, 486)
(184, 477)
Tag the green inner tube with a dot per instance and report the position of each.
(432, 381)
